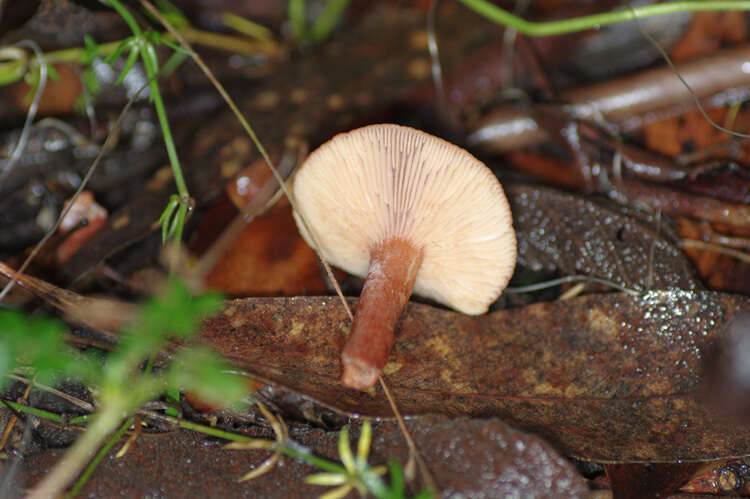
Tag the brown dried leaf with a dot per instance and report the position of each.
(100, 314)
(579, 236)
(611, 378)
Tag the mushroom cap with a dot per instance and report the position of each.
(382, 181)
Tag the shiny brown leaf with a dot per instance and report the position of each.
(476, 458)
(580, 236)
(611, 378)
(268, 258)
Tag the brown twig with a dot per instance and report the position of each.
(679, 203)
(630, 101)
(13, 420)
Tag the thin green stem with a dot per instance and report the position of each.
(325, 22)
(298, 18)
(80, 419)
(311, 458)
(150, 62)
(595, 21)
(126, 15)
(99, 456)
(207, 430)
(34, 411)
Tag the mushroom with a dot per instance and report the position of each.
(412, 212)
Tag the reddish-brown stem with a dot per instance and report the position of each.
(393, 267)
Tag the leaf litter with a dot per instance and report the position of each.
(660, 382)
(604, 377)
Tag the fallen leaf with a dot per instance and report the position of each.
(470, 457)
(268, 258)
(575, 235)
(609, 378)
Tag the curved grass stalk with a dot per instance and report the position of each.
(596, 21)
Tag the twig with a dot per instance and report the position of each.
(31, 114)
(630, 101)
(426, 475)
(668, 60)
(695, 244)
(33, 383)
(12, 422)
(571, 278)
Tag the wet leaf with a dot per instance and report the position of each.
(268, 258)
(580, 236)
(610, 378)
(474, 457)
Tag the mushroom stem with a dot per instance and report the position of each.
(393, 268)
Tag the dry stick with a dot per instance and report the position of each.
(630, 101)
(14, 419)
(33, 383)
(33, 107)
(691, 205)
(668, 60)
(426, 475)
(266, 157)
(695, 244)
(251, 133)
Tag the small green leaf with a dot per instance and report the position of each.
(38, 342)
(129, 63)
(397, 476)
(157, 39)
(175, 312)
(204, 373)
(91, 50)
(345, 451)
(327, 479)
(365, 439)
(126, 43)
(166, 216)
(174, 62)
(337, 493)
(325, 22)
(298, 18)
